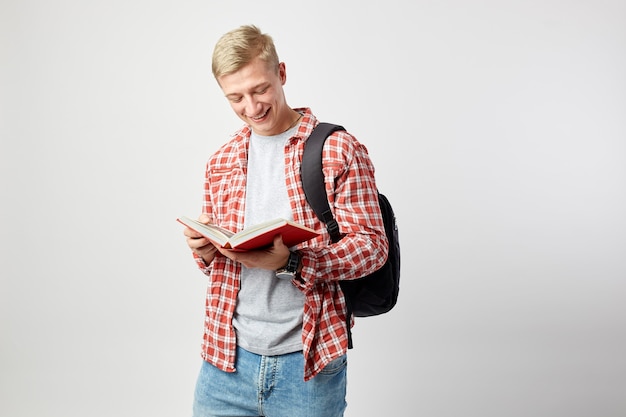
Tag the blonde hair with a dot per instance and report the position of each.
(237, 48)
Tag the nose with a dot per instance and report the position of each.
(252, 106)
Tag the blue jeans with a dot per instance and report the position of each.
(271, 386)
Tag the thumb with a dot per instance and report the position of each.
(278, 241)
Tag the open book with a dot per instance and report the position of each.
(253, 237)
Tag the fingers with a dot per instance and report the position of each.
(270, 258)
(195, 240)
(206, 251)
(190, 233)
(278, 242)
(199, 244)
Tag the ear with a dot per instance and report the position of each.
(282, 73)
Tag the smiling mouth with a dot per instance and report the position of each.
(257, 118)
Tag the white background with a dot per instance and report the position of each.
(498, 130)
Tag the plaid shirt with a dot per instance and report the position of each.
(351, 187)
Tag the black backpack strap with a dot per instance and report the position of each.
(315, 190)
(313, 176)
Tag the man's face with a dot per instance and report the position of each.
(255, 93)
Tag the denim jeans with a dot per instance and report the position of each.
(271, 386)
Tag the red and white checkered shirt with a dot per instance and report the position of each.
(351, 187)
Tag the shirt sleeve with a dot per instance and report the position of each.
(353, 197)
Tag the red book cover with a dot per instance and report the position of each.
(254, 237)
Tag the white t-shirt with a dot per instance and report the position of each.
(268, 315)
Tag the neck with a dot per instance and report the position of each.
(295, 118)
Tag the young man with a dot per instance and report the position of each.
(275, 337)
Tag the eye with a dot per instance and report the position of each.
(234, 99)
(261, 91)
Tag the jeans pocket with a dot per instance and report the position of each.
(335, 366)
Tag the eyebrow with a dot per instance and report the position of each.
(253, 88)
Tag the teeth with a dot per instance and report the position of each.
(260, 117)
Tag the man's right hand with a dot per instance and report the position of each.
(199, 244)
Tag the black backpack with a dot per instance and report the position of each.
(373, 294)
